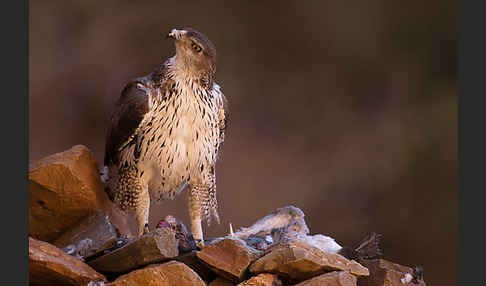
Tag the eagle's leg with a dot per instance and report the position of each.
(195, 212)
(142, 207)
(131, 194)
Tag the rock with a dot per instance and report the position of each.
(383, 272)
(299, 260)
(190, 259)
(229, 257)
(49, 265)
(156, 246)
(171, 273)
(221, 282)
(336, 278)
(96, 227)
(64, 188)
(124, 223)
(263, 279)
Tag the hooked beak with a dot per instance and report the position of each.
(176, 34)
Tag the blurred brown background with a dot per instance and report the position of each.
(345, 109)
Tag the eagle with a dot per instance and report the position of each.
(165, 133)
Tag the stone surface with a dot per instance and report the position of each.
(229, 258)
(49, 265)
(383, 272)
(263, 279)
(171, 273)
(96, 227)
(298, 260)
(221, 282)
(64, 188)
(190, 259)
(156, 246)
(125, 223)
(336, 278)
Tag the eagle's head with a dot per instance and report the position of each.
(194, 52)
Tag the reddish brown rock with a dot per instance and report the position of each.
(221, 282)
(263, 279)
(383, 272)
(64, 188)
(298, 260)
(123, 222)
(336, 278)
(171, 273)
(156, 246)
(49, 265)
(97, 228)
(229, 258)
(190, 259)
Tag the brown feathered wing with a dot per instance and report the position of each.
(129, 112)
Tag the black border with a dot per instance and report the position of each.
(472, 140)
(15, 146)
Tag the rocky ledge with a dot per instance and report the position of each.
(77, 237)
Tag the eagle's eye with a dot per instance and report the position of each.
(196, 47)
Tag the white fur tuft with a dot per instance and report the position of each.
(324, 243)
(104, 175)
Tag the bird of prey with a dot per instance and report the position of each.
(165, 133)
